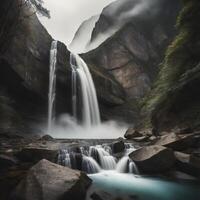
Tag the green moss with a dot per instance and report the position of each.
(182, 55)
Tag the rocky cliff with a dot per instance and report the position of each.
(175, 100)
(133, 54)
(24, 71)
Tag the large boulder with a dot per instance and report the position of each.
(38, 151)
(153, 159)
(50, 181)
(176, 142)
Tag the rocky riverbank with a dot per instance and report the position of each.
(172, 155)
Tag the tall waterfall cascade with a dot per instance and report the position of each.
(95, 159)
(81, 76)
(52, 85)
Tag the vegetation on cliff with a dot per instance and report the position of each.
(174, 99)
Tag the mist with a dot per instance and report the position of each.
(140, 8)
(67, 128)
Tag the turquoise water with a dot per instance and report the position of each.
(121, 185)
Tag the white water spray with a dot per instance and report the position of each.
(52, 85)
(90, 108)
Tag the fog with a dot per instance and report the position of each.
(67, 127)
(67, 16)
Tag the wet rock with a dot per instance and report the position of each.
(50, 181)
(38, 151)
(153, 159)
(132, 133)
(188, 164)
(175, 141)
(47, 138)
(118, 147)
(7, 161)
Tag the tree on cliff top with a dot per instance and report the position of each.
(38, 5)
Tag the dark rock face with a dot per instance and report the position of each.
(49, 181)
(7, 161)
(132, 55)
(118, 147)
(148, 157)
(175, 100)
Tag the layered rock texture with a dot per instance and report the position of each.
(132, 55)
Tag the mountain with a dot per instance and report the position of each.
(118, 13)
(83, 35)
(133, 54)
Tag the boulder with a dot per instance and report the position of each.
(176, 142)
(47, 138)
(50, 181)
(118, 147)
(132, 133)
(38, 151)
(188, 164)
(153, 159)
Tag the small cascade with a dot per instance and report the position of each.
(94, 159)
(103, 157)
(89, 165)
(125, 165)
(52, 85)
(82, 76)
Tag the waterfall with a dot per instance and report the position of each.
(94, 159)
(89, 165)
(81, 75)
(125, 165)
(52, 85)
(105, 159)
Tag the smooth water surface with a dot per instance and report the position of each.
(128, 186)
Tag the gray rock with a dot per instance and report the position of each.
(153, 159)
(132, 133)
(176, 142)
(50, 181)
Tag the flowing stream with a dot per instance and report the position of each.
(96, 159)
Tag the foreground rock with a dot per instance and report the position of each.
(153, 159)
(49, 181)
(175, 141)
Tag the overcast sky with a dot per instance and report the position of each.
(67, 15)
